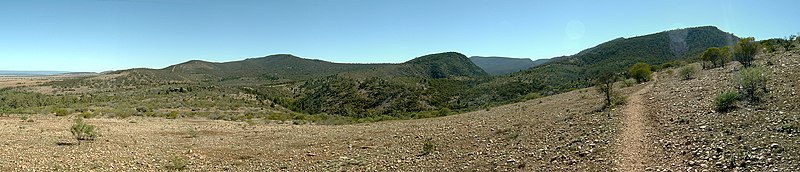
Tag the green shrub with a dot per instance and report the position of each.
(427, 147)
(177, 163)
(641, 72)
(531, 96)
(725, 101)
(618, 99)
(83, 131)
(629, 82)
(172, 115)
(279, 116)
(667, 65)
(687, 72)
(61, 112)
(25, 118)
(193, 132)
(752, 83)
(87, 114)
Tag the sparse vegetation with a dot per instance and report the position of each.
(725, 101)
(427, 147)
(688, 72)
(61, 112)
(618, 99)
(178, 163)
(776, 44)
(604, 82)
(25, 118)
(629, 82)
(82, 131)
(87, 115)
(752, 83)
(193, 132)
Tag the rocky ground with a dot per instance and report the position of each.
(561, 132)
(688, 135)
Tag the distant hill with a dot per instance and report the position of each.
(283, 68)
(447, 65)
(30, 73)
(505, 65)
(568, 72)
(279, 66)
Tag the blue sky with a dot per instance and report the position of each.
(99, 35)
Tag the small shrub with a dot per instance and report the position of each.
(513, 135)
(618, 99)
(193, 132)
(26, 118)
(427, 147)
(143, 109)
(531, 96)
(725, 101)
(178, 163)
(752, 83)
(172, 115)
(629, 82)
(276, 116)
(87, 114)
(83, 131)
(61, 112)
(669, 72)
(688, 72)
(667, 65)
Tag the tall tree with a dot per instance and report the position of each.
(746, 50)
(726, 53)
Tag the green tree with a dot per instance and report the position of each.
(604, 81)
(687, 72)
(712, 55)
(640, 71)
(726, 54)
(745, 51)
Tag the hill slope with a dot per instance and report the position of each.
(568, 72)
(505, 65)
(283, 68)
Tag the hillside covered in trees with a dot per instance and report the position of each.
(570, 72)
(505, 65)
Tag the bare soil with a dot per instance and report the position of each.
(633, 138)
(557, 133)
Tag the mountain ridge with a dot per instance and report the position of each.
(496, 65)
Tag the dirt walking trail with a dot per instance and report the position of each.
(633, 142)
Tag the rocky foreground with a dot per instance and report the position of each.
(686, 133)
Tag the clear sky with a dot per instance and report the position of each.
(99, 35)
